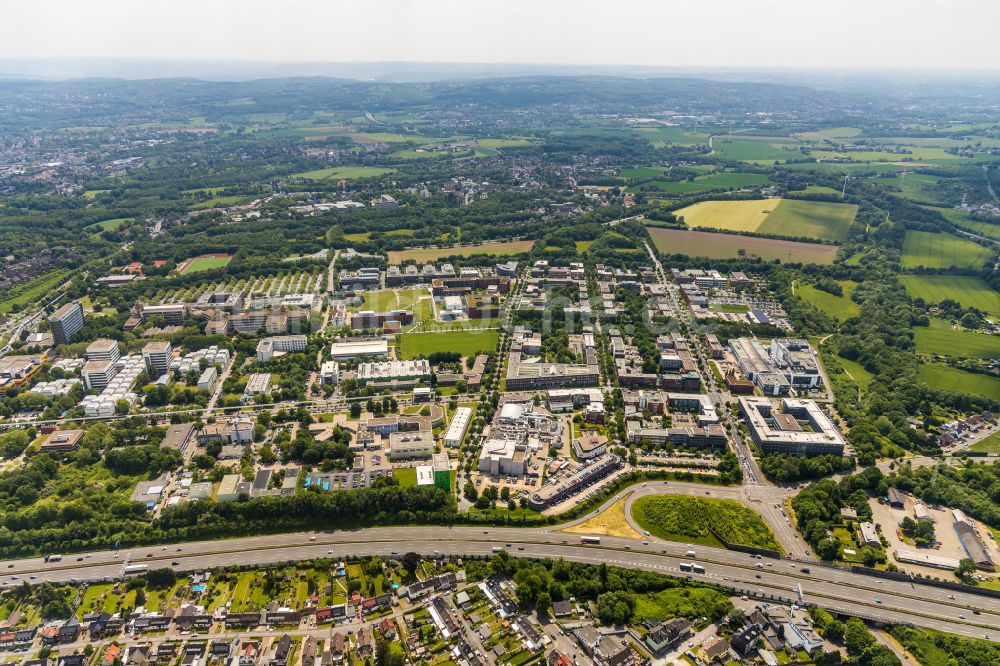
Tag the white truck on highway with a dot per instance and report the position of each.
(690, 553)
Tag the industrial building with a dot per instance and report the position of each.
(458, 427)
(784, 432)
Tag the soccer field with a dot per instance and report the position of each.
(205, 263)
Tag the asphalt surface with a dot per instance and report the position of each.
(834, 589)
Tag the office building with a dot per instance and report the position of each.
(258, 383)
(283, 344)
(103, 350)
(393, 372)
(358, 348)
(800, 427)
(503, 456)
(329, 373)
(411, 445)
(157, 356)
(66, 322)
(98, 374)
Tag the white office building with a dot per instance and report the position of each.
(458, 427)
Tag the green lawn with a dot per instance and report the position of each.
(699, 520)
(221, 201)
(109, 225)
(821, 220)
(689, 602)
(841, 307)
(467, 343)
(728, 307)
(990, 444)
(407, 476)
(940, 250)
(968, 291)
(389, 299)
(941, 338)
(937, 375)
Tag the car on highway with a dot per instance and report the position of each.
(961, 617)
(312, 538)
(174, 563)
(878, 601)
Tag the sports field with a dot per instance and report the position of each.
(780, 217)
(970, 292)
(422, 255)
(937, 375)
(466, 343)
(821, 220)
(205, 262)
(943, 339)
(841, 307)
(931, 250)
(727, 215)
(336, 173)
(731, 246)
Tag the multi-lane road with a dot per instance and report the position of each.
(839, 590)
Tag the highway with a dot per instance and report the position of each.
(835, 589)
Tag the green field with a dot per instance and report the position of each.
(731, 246)
(32, 291)
(661, 136)
(690, 602)
(218, 201)
(392, 299)
(832, 133)
(841, 307)
(109, 225)
(780, 217)
(467, 343)
(963, 221)
(810, 219)
(423, 255)
(970, 292)
(989, 444)
(913, 186)
(715, 181)
(93, 194)
(762, 151)
(502, 143)
(406, 476)
(940, 338)
(945, 377)
(703, 521)
(862, 377)
(349, 173)
(940, 250)
(205, 264)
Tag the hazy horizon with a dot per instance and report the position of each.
(854, 35)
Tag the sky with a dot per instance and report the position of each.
(842, 34)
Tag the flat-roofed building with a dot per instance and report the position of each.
(98, 374)
(66, 322)
(411, 445)
(285, 344)
(329, 373)
(458, 427)
(783, 432)
(157, 355)
(442, 471)
(868, 535)
(208, 378)
(258, 383)
(231, 487)
(533, 374)
(503, 456)
(61, 441)
(393, 371)
(103, 350)
(173, 313)
(349, 349)
(565, 487)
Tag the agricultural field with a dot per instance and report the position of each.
(727, 215)
(989, 444)
(831, 133)
(941, 250)
(662, 136)
(349, 173)
(467, 343)
(423, 255)
(703, 521)
(821, 220)
(937, 375)
(970, 292)
(963, 221)
(715, 181)
(942, 339)
(731, 246)
(495, 144)
(841, 307)
(781, 217)
(219, 201)
(763, 150)
(916, 186)
(205, 263)
(93, 194)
